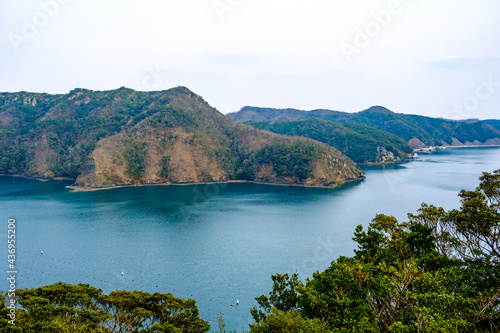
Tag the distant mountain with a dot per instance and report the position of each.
(251, 113)
(363, 144)
(493, 122)
(123, 137)
(417, 130)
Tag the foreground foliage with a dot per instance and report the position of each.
(438, 272)
(63, 307)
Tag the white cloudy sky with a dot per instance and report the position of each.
(431, 57)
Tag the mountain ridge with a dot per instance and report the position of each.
(417, 130)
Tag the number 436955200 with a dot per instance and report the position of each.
(11, 235)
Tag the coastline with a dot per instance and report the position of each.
(41, 179)
(468, 146)
(431, 148)
(79, 188)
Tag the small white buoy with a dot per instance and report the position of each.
(122, 273)
(237, 302)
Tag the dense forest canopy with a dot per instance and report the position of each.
(437, 272)
(411, 128)
(362, 143)
(63, 307)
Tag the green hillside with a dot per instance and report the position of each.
(363, 144)
(493, 122)
(417, 130)
(124, 137)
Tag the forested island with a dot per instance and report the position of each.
(123, 137)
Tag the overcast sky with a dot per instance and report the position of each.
(439, 58)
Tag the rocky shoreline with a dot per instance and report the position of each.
(79, 188)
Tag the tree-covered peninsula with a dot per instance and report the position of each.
(126, 137)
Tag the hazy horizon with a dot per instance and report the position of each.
(433, 59)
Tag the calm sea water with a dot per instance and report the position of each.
(214, 243)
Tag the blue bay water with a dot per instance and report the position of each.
(215, 243)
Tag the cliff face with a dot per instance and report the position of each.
(386, 156)
(110, 138)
